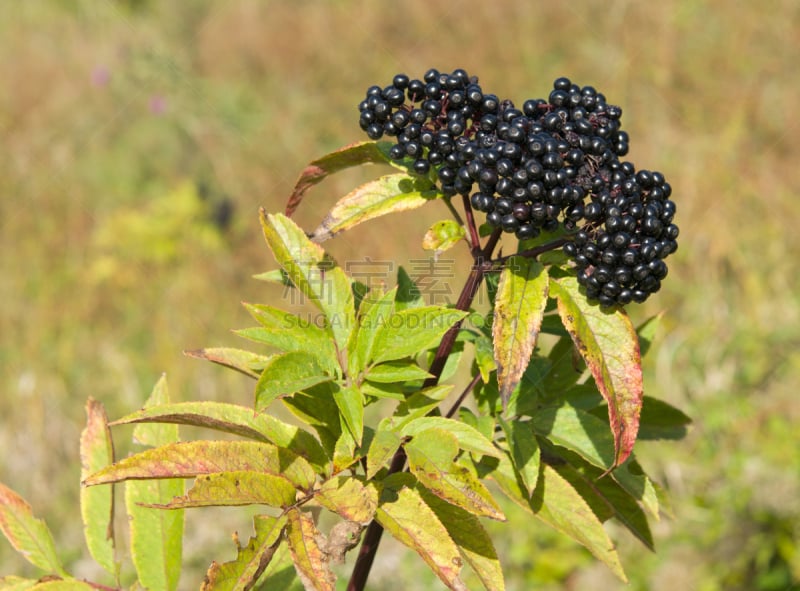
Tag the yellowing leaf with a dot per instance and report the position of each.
(518, 311)
(443, 235)
(607, 341)
(349, 497)
(309, 558)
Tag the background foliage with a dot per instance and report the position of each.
(140, 138)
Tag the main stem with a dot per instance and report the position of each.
(480, 256)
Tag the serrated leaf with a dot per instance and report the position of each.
(408, 332)
(382, 449)
(251, 560)
(309, 559)
(235, 419)
(97, 504)
(430, 458)
(156, 537)
(608, 343)
(443, 235)
(404, 514)
(27, 534)
(472, 540)
(469, 438)
(556, 502)
(388, 194)
(350, 402)
(349, 497)
(351, 155)
(396, 371)
(631, 477)
(240, 487)
(518, 312)
(578, 431)
(246, 362)
(286, 374)
(194, 458)
(524, 451)
(314, 273)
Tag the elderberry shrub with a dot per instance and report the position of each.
(552, 164)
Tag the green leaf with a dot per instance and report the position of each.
(286, 374)
(241, 487)
(156, 537)
(310, 560)
(97, 504)
(289, 332)
(430, 458)
(316, 407)
(237, 420)
(404, 514)
(346, 157)
(396, 371)
(408, 293)
(609, 344)
(524, 451)
(376, 308)
(443, 235)
(578, 431)
(280, 573)
(484, 357)
(64, 585)
(631, 477)
(351, 406)
(410, 331)
(345, 452)
(556, 502)
(13, 583)
(660, 420)
(388, 194)
(251, 560)
(189, 459)
(246, 362)
(502, 471)
(469, 438)
(382, 449)
(349, 497)
(647, 332)
(315, 274)
(518, 312)
(27, 534)
(472, 540)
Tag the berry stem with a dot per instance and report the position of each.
(372, 537)
(475, 240)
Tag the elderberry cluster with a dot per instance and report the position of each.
(553, 163)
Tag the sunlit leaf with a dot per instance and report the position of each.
(156, 536)
(27, 534)
(351, 406)
(251, 560)
(63, 585)
(405, 515)
(376, 308)
(578, 431)
(388, 194)
(396, 371)
(556, 502)
(97, 504)
(472, 540)
(346, 157)
(382, 449)
(235, 419)
(349, 497)
(430, 457)
(310, 560)
(193, 458)
(608, 342)
(286, 374)
(246, 362)
(631, 477)
(443, 235)
(518, 312)
(314, 273)
(241, 487)
(469, 438)
(408, 332)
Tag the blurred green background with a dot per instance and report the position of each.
(140, 138)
